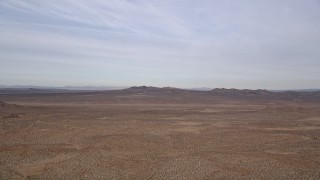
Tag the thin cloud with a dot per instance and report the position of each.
(116, 15)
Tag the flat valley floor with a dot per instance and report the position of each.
(54, 138)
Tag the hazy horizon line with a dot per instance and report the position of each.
(106, 87)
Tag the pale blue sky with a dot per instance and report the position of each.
(272, 44)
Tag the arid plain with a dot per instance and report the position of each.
(160, 133)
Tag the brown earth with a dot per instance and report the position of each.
(143, 133)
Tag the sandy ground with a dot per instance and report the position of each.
(40, 140)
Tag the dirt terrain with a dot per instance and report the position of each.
(160, 133)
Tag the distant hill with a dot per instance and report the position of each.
(297, 90)
(241, 92)
(35, 91)
(44, 89)
(103, 88)
(145, 89)
(171, 94)
(94, 88)
(150, 94)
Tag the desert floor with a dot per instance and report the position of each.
(231, 140)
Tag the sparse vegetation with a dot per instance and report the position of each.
(155, 133)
